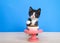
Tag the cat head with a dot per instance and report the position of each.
(34, 13)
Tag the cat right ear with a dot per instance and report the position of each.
(30, 9)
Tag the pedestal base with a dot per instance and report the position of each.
(33, 40)
(33, 31)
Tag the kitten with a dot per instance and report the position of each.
(33, 17)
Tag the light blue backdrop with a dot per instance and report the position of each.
(14, 13)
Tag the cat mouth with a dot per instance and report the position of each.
(33, 17)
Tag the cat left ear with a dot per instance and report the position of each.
(39, 10)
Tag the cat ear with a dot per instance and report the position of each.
(39, 10)
(30, 9)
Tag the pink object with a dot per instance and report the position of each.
(33, 31)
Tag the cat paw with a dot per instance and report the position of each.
(28, 22)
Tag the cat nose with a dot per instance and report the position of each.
(32, 16)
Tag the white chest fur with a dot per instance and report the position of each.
(33, 21)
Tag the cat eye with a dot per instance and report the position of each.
(30, 13)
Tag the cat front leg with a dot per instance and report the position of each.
(28, 23)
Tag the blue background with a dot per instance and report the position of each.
(14, 13)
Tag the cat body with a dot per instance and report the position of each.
(33, 17)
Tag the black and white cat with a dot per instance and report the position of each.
(33, 16)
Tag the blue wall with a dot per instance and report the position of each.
(14, 13)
